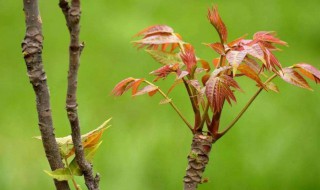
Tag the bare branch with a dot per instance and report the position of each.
(72, 14)
(32, 51)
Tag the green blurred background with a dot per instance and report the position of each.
(276, 144)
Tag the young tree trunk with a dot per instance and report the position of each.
(32, 51)
(198, 159)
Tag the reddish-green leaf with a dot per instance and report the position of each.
(268, 36)
(122, 86)
(158, 39)
(217, 47)
(147, 89)
(218, 89)
(291, 76)
(237, 41)
(216, 21)
(189, 58)
(249, 72)
(155, 29)
(255, 51)
(136, 85)
(272, 86)
(235, 58)
(205, 65)
(165, 58)
(164, 71)
(309, 71)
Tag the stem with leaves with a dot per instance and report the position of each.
(72, 15)
(32, 51)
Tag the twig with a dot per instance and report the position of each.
(234, 121)
(72, 14)
(32, 51)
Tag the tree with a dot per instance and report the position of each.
(56, 149)
(208, 91)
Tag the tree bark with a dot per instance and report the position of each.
(32, 51)
(72, 15)
(198, 159)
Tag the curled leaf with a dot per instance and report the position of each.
(189, 58)
(216, 21)
(155, 29)
(123, 86)
(147, 89)
(309, 71)
(291, 76)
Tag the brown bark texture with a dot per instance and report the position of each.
(72, 13)
(198, 158)
(32, 51)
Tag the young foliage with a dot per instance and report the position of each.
(208, 91)
(90, 142)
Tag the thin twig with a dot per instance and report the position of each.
(72, 14)
(32, 51)
(244, 109)
(173, 106)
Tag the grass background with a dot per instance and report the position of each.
(276, 144)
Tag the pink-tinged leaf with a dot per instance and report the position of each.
(271, 62)
(123, 86)
(235, 58)
(165, 58)
(195, 84)
(155, 29)
(309, 71)
(255, 51)
(253, 65)
(164, 71)
(220, 71)
(216, 21)
(218, 89)
(217, 47)
(158, 39)
(136, 85)
(205, 65)
(182, 74)
(237, 41)
(147, 89)
(189, 58)
(267, 36)
(249, 72)
(291, 76)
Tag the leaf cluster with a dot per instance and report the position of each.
(209, 85)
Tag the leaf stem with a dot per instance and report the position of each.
(72, 178)
(172, 105)
(244, 109)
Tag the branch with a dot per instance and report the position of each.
(72, 15)
(234, 121)
(32, 51)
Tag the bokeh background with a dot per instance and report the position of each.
(276, 145)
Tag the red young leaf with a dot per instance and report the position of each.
(155, 29)
(205, 65)
(216, 21)
(252, 64)
(151, 89)
(271, 62)
(309, 71)
(136, 85)
(189, 58)
(123, 86)
(255, 51)
(164, 71)
(236, 41)
(218, 89)
(205, 78)
(158, 39)
(267, 36)
(235, 58)
(216, 62)
(291, 76)
(217, 47)
(249, 72)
